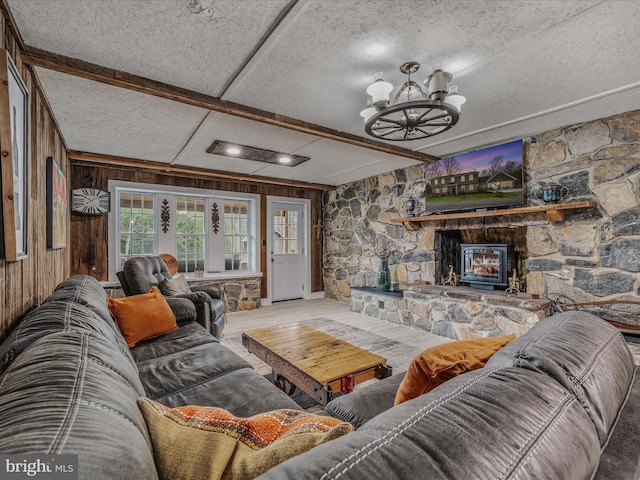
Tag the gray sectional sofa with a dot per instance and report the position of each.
(560, 402)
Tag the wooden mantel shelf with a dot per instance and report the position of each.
(555, 213)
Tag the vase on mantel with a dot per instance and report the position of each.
(384, 276)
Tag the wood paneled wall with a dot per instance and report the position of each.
(89, 239)
(26, 282)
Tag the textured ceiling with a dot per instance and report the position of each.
(524, 66)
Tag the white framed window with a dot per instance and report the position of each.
(136, 214)
(236, 235)
(191, 233)
(203, 229)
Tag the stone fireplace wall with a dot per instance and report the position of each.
(594, 255)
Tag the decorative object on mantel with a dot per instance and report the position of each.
(165, 215)
(384, 276)
(215, 218)
(428, 114)
(552, 193)
(514, 283)
(410, 206)
(555, 213)
(452, 279)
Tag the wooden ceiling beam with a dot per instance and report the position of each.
(136, 83)
(85, 158)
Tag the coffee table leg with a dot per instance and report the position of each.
(283, 383)
(383, 371)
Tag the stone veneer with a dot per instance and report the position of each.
(240, 293)
(594, 255)
(459, 313)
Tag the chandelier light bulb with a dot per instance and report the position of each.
(379, 89)
(367, 113)
(454, 98)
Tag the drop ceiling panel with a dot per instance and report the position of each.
(100, 118)
(334, 163)
(220, 126)
(322, 78)
(194, 44)
(588, 55)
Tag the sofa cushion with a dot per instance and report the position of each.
(86, 291)
(582, 352)
(57, 316)
(183, 338)
(438, 364)
(71, 393)
(186, 368)
(142, 317)
(364, 403)
(222, 445)
(503, 423)
(620, 457)
(174, 286)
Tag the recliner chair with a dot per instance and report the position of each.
(139, 274)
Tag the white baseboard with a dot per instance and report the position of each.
(264, 302)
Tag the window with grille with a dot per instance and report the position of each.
(203, 230)
(236, 235)
(285, 226)
(136, 221)
(190, 233)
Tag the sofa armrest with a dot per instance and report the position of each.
(183, 309)
(214, 290)
(203, 304)
(195, 297)
(363, 404)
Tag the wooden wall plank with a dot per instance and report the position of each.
(89, 235)
(26, 281)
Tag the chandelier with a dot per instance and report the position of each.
(422, 115)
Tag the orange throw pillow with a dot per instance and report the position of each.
(436, 365)
(141, 317)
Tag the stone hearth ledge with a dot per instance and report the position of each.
(459, 313)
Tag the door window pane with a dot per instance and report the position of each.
(285, 232)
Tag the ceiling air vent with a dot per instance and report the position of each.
(236, 150)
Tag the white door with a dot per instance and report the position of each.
(286, 255)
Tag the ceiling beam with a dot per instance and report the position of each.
(136, 83)
(77, 157)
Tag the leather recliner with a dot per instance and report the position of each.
(139, 274)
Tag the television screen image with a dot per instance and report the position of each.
(488, 178)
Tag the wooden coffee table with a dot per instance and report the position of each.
(317, 363)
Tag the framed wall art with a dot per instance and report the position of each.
(57, 204)
(14, 132)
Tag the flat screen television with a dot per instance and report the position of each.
(483, 179)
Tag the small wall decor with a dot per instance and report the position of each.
(14, 131)
(57, 204)
(165, 216)
(90, 200)
(215, 218)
